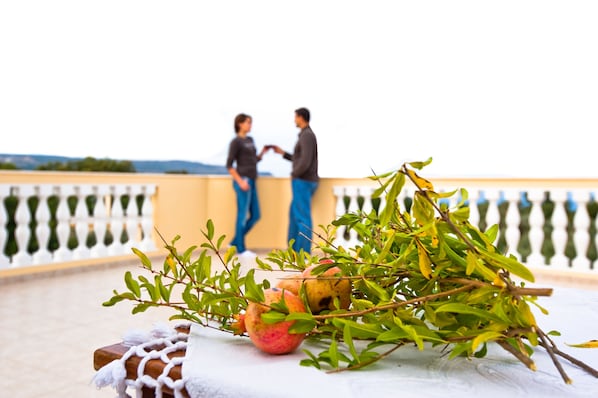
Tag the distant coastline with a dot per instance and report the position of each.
(32, 161)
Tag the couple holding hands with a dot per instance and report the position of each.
(242, 165)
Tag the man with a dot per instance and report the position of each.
(304, 182)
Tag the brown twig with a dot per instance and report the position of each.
(571, 359)
(172, 251)
(394, 305)
(516, 291)
(550, 351)
(517, 354)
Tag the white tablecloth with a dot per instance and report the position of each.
(219, 365)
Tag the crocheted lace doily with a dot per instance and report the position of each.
(155, 344)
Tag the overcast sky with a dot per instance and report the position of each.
(500, 88)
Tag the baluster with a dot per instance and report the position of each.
(559, 233)
(81, 220)
(100, 220)
(63, 227)
(474, 212)
(382, 202)
(131, 217)
(4, 193)
(581, 233)
(116, 220)
(366, 194)
(22, 231)
(339, 194)
(492, 215)
(536, 227)
(353, 207)
(512, 219)
(402, 197)
(147, 218)
(42, 230)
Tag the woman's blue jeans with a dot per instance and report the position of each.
(248, 213)
(300, 224)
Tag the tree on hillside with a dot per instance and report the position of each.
(8, 166)
(90, 164)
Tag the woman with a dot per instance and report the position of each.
(242, 151)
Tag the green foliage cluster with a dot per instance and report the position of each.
(8, 166)
(90, 164)
(424, 276)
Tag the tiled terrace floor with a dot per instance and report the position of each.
(51, 325)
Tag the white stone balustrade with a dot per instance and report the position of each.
(55, 223)
(519, 200)
(133, 225)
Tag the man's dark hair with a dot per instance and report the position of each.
(304, 113)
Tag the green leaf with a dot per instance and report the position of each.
(299, 316)
(141, 307)
(511, 265)
(145, 261)
(187, 254)
(220, 240)
(132, 284)
(210, 227)
(271, 317)
(492, 232)
(263, 265)
(422, 209)
(472, 262)
(425, 264)
(302, 326)
(164, 292)
(280, 306)
(152, 290)
(252, 291)
(460, 215)
(411, 332)
(359, 330)
(452, 255)
(466, 309)
(333, 351)
(483, 338)
(459, 349)
(312, 361)
(230, 254)
(386, 249)
(113, 300)
(376, 290)
(391, 199)
(481, 353)
(381, 189)
(348, 339)
(393, 335)
(419, 164)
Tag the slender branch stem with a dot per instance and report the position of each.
(517, 291)
(517, 354)
(548, 347)
(395, 305)
(576, 361)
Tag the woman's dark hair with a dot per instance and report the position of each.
(240, 118)
(304, 113)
